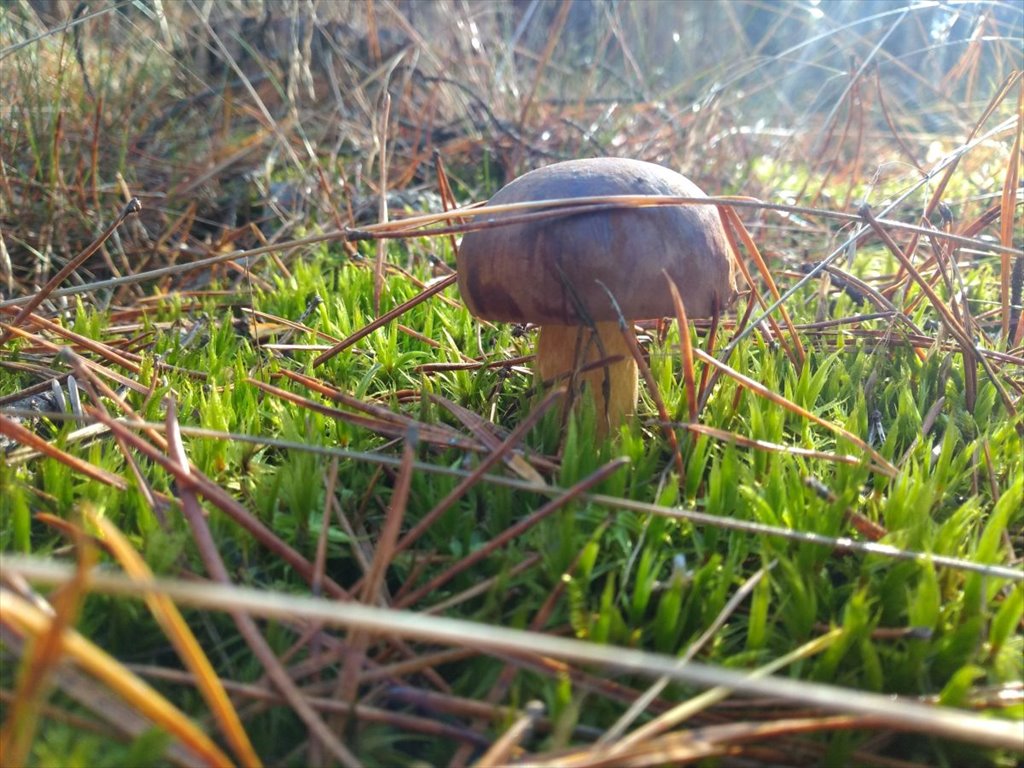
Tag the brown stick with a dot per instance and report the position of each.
(133, 207)
(499, 541)
(387, 317)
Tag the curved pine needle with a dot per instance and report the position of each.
(767, 445)
(42, 658)
(110, 671)
(191, 653)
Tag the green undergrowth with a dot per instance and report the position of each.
(631, 579)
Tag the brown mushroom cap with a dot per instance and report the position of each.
(512, 274)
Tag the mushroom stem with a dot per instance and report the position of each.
(563, 349)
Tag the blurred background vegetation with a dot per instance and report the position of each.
(219, 114)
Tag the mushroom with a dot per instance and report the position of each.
(558, 272)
